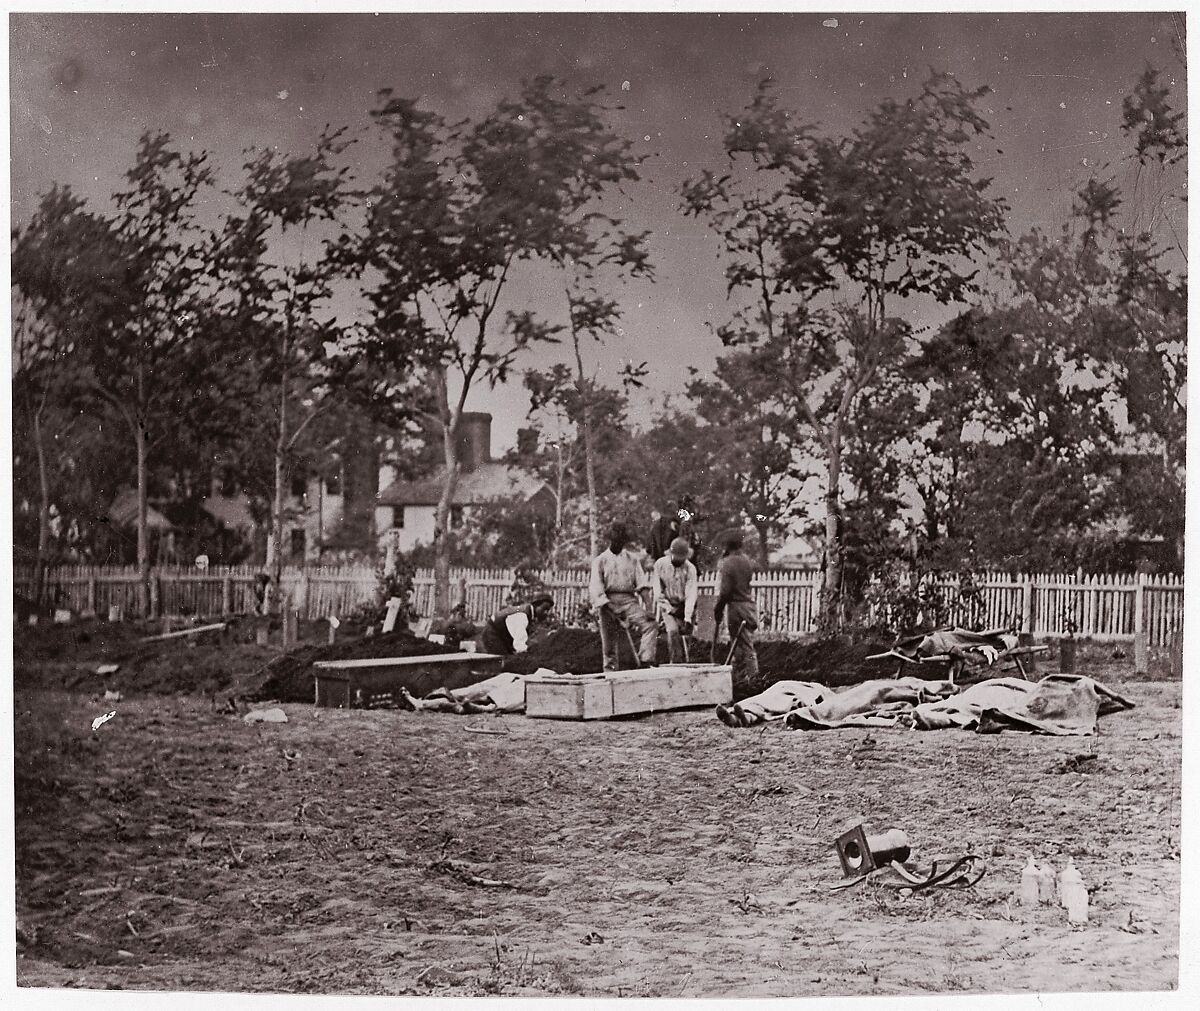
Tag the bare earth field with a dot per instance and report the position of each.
(349, 851)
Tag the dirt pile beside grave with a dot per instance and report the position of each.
(834, 662)
(220, 661)
(78, 640)
(70, 656)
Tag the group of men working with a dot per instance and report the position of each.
(633, 599)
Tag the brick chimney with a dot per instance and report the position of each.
(474, 439)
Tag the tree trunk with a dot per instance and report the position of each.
(560, 480)
(764, 550)
(590, 467)
(43, 542)
(831, 588)
(588, 460)
(275, 545)
(143, 540)
(442, 536)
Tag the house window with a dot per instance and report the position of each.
(398, 518)
(298, 542)
(299, 486)
(456, 517)
(333, 484)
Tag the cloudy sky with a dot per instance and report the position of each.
(84, 87)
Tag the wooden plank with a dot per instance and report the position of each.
(554, 700)
(404, 661)
(187, 631)
(673, 687)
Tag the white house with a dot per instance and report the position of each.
(797, 552)
(405, 510)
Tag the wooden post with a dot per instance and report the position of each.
(1030, 659)
(1027, 605)
(91, 595)
(1141, 652)
(302, 593)
(1176, 654)
(462, 592)
(155, 598)
(1066, 656)
(393, 611)
(290, 619)
(227, 595)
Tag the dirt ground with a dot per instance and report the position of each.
(387, 852)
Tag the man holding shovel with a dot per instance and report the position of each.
(620, 594)
(675, 591)
(735, 602)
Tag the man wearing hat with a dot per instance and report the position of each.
(508, 630)
(674, 581)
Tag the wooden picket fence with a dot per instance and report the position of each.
(1108, 607)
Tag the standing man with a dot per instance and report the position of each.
(619, 591)
(662, 531)
(734, 600)
(508, 630)
(675, 586)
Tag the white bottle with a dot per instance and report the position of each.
(1046, 885)
(1029, 883)
(1068, 879)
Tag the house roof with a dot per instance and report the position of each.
(486, 482)
(796, 552)
(231, 511)
(123, 512)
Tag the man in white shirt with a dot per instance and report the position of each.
(508, 630)
(675, 581)
(620, 593)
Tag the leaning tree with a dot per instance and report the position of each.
(458, 210)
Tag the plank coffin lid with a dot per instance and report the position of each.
(624, 693)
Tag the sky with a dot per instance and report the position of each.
(84, 87)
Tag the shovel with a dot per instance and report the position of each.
(732, 643)
(633, 649)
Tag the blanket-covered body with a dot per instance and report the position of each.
(959, 643)
(1060, 704)
(504, 693)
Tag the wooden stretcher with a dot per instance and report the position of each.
(1020, 658)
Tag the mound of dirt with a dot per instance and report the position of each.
(834, 662)
(67, 656)
(80, 640)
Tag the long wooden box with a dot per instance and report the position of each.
(623, 693)
(342, 684)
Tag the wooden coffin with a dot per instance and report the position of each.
(343, 684)
(624, 693)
